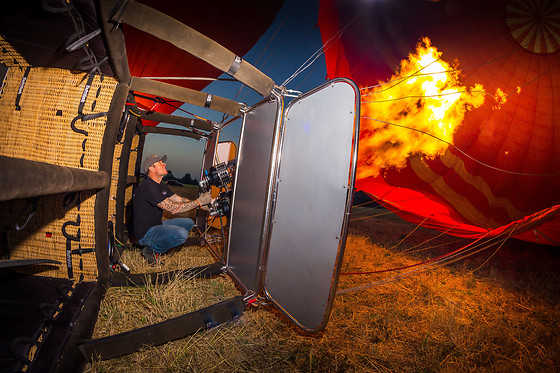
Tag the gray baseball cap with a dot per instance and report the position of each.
(148, 162)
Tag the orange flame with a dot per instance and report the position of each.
(416, 112)
(501, 97)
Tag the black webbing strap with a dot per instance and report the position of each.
(69, 239)
(21, 87)
(137, 279)
(81, 105)
(80, 42)
(85, 93)
(163, 332)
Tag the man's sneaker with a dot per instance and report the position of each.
(150, 255)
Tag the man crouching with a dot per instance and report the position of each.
(149, 201)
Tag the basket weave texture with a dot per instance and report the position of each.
(46, 119)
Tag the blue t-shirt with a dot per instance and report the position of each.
(145, 206)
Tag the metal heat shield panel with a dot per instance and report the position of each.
(249, 203)
(313, 197)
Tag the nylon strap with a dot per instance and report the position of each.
(21, 87)
(163, 332)
(85, 94)
(69, 259)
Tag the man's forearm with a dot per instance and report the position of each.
(178, 199)
(175, 207)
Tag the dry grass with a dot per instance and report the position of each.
(503, 317)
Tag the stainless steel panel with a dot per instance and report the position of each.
(249, 204)
(314, 186)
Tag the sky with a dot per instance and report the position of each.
(289, 42)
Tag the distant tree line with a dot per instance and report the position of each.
(187, 179)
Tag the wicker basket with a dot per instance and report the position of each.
(44, 121)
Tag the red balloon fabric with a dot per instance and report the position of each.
(235, 26)
(505, 162)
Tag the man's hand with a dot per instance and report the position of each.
(204, 198)
(207, 207)
(176, 204)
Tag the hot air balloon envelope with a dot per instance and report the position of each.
(504, 164)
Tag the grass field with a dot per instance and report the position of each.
(492, 312)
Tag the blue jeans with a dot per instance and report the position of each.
(171, 233)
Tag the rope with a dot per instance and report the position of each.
(325, 46)
(448, 258)
(463, 152)
(499, 247)
(411, 250)
(225, 116)
(371, 216)
(394, 247)
(424, 96)
(408, 235)
(445, 71)
(430, 247)
(459, 254)
(273, 37)
(404, 78)
(545, 236)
